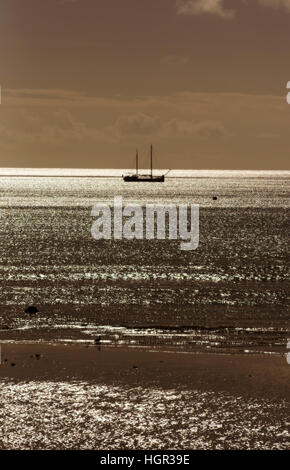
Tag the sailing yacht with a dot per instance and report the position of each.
(147, 177)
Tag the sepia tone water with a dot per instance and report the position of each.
(81, 416)
(229, 295)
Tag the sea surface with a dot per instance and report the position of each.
(61, 416)
(229, 295)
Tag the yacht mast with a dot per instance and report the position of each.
(151, 160)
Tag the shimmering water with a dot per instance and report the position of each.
(229, 294)
(49, 415)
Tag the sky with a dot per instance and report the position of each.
(86, 82)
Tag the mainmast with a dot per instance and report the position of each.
(151, 160)
(137, 162)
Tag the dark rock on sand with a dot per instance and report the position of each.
(35, 356)
(31, 310)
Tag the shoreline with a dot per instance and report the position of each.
(61, 397)
(255, 375)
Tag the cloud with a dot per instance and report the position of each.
(56, 127)
(284, 4)
(59, 118)
(268, 135)
(218, 8)
(10, 136)
(198, 7)
(70, 128)
(138, 123)
(200, 130)
(56, 98)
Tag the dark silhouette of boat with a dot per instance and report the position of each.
(147, 177)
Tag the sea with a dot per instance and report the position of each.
(230, 295)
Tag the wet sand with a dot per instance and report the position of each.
(242, 374)
(78, 397)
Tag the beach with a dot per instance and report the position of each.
(69, 396)
(135, 344)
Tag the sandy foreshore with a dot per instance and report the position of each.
(243, 374)
(77, 396)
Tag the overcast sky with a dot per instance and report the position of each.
(84, 82)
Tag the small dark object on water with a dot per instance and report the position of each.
(214, 198)
(135, 367)
(13, 364)
(31, 310)
(98, 340)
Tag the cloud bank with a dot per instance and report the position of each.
(218, 7)
(191, 130)
(198, 7)
(284, 4)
